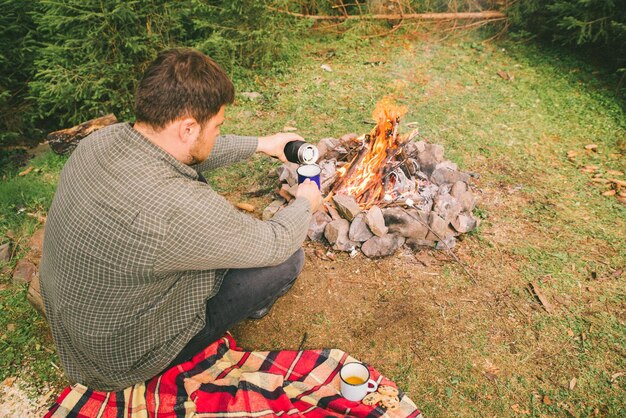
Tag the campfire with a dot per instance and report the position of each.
(384, 190)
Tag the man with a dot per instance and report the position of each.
(144, 264)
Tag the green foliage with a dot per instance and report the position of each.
(593, 26)
(63, 63)
(92, 53)
(16, 67)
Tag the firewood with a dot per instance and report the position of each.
(65, 140)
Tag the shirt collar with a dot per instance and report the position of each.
(154, 150)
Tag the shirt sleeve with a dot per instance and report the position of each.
(228, 149)
(207, 232)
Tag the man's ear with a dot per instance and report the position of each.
(188, 129)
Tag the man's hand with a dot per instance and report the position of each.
(274, 145)
(309, 190)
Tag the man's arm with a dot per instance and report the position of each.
(230, 149)
(207, 232)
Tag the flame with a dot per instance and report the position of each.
(366, 182)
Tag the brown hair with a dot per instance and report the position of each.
(179, 83)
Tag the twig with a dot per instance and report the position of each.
(486, 15)
(303, 341)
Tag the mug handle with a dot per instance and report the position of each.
(372, 386)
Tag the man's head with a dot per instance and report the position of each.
(182, 83)
(183, 94)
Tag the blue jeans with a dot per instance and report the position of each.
(243, 291)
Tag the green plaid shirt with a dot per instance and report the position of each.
(134, 247)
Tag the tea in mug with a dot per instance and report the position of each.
(354, 380)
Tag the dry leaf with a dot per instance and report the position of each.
(609, 193)
(591, 289)
(504, 75)
(542, 298)
(614, 172)
(245, 206)
(621, 199)
(518, 410)
(570, 332)
(572, 383)
(331, 255)
(326, 67)
(616, 375)
(591, 147)
(617, 273)
(290, 129)
(546, 400)
(11, 327)
(28, 170)
(571, 154)
(583, 336)
(9, 381)
(600, 180)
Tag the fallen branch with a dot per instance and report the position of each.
(485, 15)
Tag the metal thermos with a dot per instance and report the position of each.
(301, 152)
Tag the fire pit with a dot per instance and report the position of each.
(384, 190)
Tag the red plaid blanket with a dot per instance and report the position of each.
(224, 381)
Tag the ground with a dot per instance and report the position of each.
(460, 348)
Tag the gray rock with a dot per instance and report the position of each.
(406, 223)
(272, 208)
(287, 174)
(439, 227)
(420, 146)
(447, 206)
(291, 190)
(467, 201)
(359, 231)
(382, 246)
(317, 225)
(445, 175)
(376, 221)
(346, 206)
(448, 243)
(24, 272)
(328, 175)
(5, 252)
(464, 222)
(447, 164)
(458, 188)
(430, 157)
(325, 145)
(332, 212)
(336, 233)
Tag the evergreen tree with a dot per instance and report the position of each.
(16, 68)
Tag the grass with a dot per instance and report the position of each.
(456, 348)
